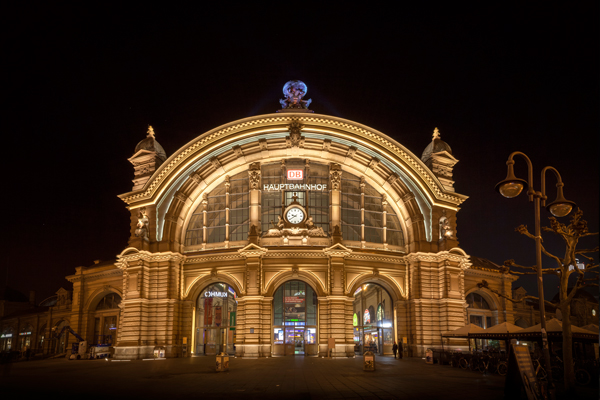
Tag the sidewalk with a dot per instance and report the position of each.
(271, 378)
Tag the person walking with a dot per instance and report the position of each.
(395, 348)
(400, 350)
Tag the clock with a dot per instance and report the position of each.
(294, 215)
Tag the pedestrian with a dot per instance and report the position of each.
(400, 350)
(395, 348)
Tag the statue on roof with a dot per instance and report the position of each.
(294, 91)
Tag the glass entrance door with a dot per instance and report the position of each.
(299, 344)
(294, 341)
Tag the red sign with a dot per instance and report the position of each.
(293, 300)
(295, 174)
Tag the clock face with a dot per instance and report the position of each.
(295, 215)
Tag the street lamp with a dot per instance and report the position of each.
(511, 187)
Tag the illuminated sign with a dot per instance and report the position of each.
(295, 174)
(293, 300)
(215, 294)
(295, 186)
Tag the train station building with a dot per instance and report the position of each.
(292, 233)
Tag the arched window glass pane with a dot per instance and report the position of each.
(217, 306)
(110, 301)
(295, 304)
(475, 300)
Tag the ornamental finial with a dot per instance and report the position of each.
(436, 133)
(294, 91)
(150, 131)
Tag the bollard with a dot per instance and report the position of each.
(222, 362)
(369, 361)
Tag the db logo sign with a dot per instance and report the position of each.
(295, 174)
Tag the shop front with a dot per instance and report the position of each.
(295, 320)
(372, 320)
(215, 320)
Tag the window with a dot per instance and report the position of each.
(316, 202)
(475, 300)
(295, 304)
(110, 301)
(365, 216)
(233, 193)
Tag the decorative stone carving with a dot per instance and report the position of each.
(215, 163)
(392, 178)
(196, 177)
(262, 143)
(142, 225)
(254, 176)
(326, 144)
(373, 163)
(294, 91)
(335, 174)
(351, 152)
(362, 183)
(408, 197)
(446, 231)
(295, 139)
(313, 231)
(237, 150)
(227, 183)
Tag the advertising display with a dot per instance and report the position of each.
(294, 308)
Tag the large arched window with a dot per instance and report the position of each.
(366, 215)
(211, 223)
(479, 311)
(295, 319)
(475, 300)
(374, 331)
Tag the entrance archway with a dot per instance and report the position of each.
(215, 317)
(295, 319)
(373, 319)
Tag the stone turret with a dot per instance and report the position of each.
(438, 157)
(147, 158)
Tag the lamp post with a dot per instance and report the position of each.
(511, 187)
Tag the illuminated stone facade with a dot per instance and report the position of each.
(223, 209)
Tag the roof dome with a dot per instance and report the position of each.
(435, 146)
(150, 144)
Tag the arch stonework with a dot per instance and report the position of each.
(162, 277)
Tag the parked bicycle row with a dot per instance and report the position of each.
(496, 362)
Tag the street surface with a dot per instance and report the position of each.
(271, 378)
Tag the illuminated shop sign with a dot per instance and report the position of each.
(293, 300)
(295, 186)
(295, 174)
(6, 335)
(215, 294)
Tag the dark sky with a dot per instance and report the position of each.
(81, 86)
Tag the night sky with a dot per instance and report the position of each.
(81, 86)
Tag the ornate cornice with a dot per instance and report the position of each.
(124, 259)
(303, 254)
(377, 258)
(439, 257)
(281, 122)
(213, 258)
(94, 276)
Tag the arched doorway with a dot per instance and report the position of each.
(106, 318)
(295, 320)
(215, 317)
(373, 319)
